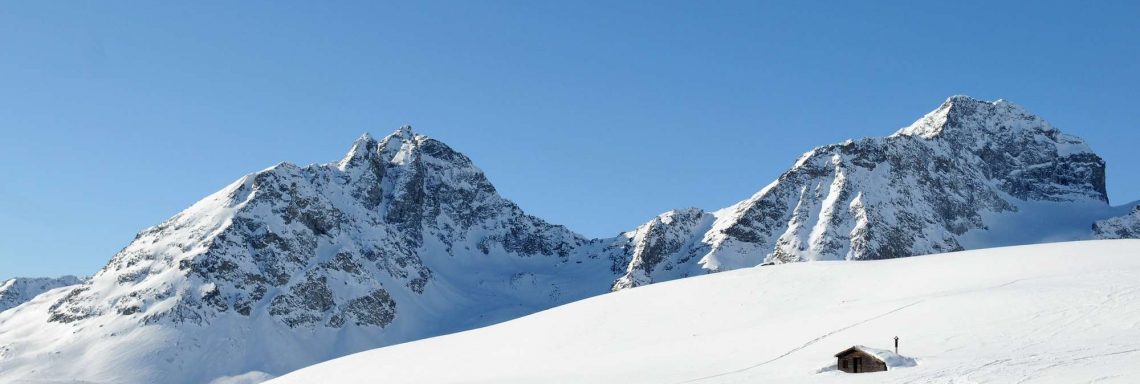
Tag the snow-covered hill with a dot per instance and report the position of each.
(1051, 313)
(16, 291)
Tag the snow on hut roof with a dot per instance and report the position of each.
(887, 356)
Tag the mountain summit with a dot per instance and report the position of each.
(405, 238)
(970, 174)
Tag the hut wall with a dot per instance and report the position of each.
(859, 362)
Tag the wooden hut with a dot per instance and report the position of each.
(860, 359)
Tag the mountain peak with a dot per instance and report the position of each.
(366, 146)
(973, 123)
(962, 99)
(361, 147)
(365, 137)
(966, 101)
(404, 132)
(965, 115)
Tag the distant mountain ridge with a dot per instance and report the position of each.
(16, 291)
(404, 238)
(1121, 227)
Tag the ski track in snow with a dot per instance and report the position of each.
(824, 336)
(805, 345)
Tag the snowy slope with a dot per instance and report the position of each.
(971, 174)
(1051, 313)
(16, 291)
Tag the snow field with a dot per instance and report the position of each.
(1049, 313)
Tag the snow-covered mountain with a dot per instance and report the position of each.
(1050, 313)
(404, 238)
(16, 291)
(971, 174)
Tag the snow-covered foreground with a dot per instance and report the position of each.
(1049, 313)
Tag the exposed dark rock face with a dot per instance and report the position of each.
(668, 245)
(375, 309)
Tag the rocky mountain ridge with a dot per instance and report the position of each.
(1120, 227)
(961, 177)
(404, 238)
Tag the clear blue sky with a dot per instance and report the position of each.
(593, 114)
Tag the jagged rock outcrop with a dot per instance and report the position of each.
(667, 247)
(16, 291)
